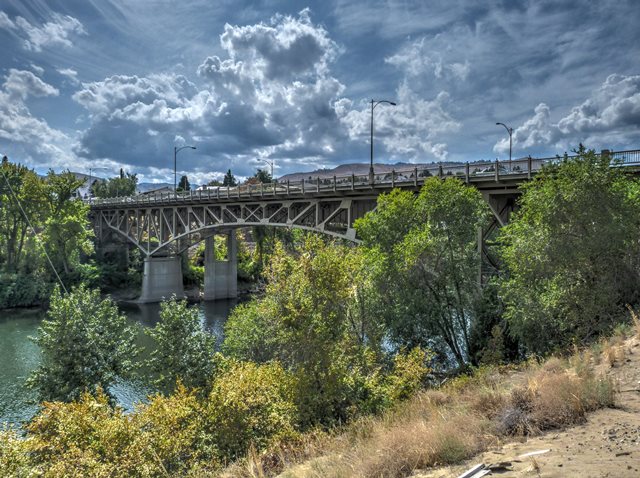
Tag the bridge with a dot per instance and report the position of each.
(164, 225)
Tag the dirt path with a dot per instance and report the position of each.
(607, 445)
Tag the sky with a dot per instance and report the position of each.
(110, 84)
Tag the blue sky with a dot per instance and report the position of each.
(117, 83)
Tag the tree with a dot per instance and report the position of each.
(17, 244)
(67, 233)
(572, 253)
(183, 350)
(184, 185)
(263, 176)
(86, 344)
(423, 254)
(123, 185)
(229, 179)
(316, 319)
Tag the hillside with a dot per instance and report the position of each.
(575, 416)
(358, 169)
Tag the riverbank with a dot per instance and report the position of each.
(568, 416)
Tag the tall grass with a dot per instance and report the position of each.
(445, 426)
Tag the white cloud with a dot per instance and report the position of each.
(56, 32)
(616, 104)
(424, 57)
(5, 22)
(612, 112)
(21, 84)
(21, 130)
(70, 74)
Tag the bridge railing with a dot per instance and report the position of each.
(469, 172)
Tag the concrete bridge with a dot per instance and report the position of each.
(162, 226)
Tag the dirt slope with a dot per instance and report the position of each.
(607, 445)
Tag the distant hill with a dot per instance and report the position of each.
(144, 187)
(358, 169)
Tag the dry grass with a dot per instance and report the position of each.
(636, 320)
(446, 426)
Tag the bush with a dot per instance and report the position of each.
(183, 350)
(250, 404)
(18, 290)
(86, 344)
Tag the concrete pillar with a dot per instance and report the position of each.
(161, 279)
(221, 277)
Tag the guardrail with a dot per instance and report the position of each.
(469, 172)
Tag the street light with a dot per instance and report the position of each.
(510, 131)
(270, 163)
(373, 105)
(176, 150)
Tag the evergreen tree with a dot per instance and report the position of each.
(229, 179)
(184, 184)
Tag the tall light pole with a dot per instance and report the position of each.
(510, 131)
(270, 163)
(373, 105)
(176, 150)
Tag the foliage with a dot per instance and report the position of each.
(20, 290)
(423, 256)
(572, 253)
(18, 251)
(183, 351)
(86, 344)
(317, 319)
(66, 232)
(123, 185)
(250, 404)
(229, 179)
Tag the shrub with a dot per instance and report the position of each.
(86, 344)
(250, 404)
(183, 350)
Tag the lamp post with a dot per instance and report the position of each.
(373, 105)
(510, 131)
(176, 150)
(270, 163)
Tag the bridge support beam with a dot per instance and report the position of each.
(162, 278)
(221, 277)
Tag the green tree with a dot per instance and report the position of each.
(572, 252)
(263, 176)
(423, 254)
(183, 350)
(184, 184)
(18, 250)
(315, 319)
(123, 185)
(67, 233)
(229, 179)
(86, 344)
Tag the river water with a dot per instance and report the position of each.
(19, 355)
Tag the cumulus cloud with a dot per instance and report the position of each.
(272, 95)
(56, 32)
(20, 130)
(21, 84)
(616, 104)
(611, 110)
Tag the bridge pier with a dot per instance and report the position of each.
(161, 279)
(221, 277)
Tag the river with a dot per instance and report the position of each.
(19, 355)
